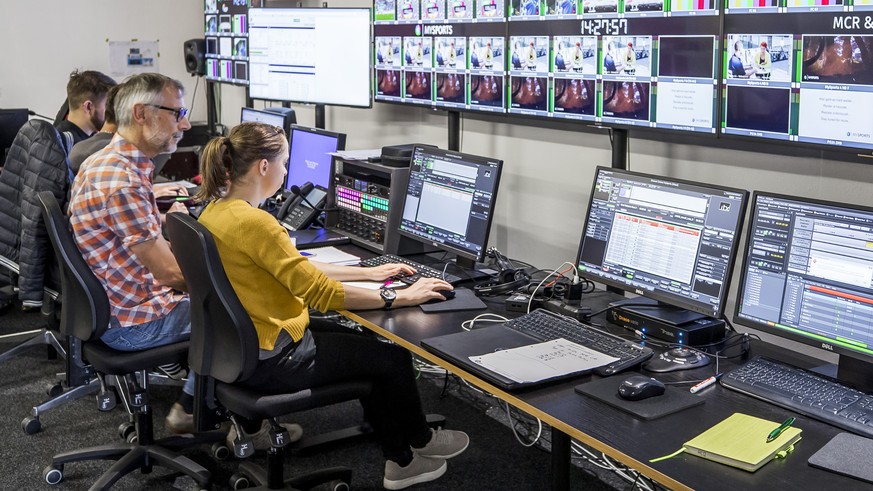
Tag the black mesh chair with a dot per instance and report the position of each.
(224, 353)
(85, 317)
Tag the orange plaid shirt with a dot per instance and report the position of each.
(112, 207)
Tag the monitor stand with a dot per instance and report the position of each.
(472, 269)
(850, 371)
(662, 321)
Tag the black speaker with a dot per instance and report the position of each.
(195, 59)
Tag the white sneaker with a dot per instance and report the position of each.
(444, 444)
(420, 469)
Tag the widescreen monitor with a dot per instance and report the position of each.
(310, 55)
(808, 276)
(282, 119)
(669, 240)
(310, 159)
(227, 45)
(450, 200)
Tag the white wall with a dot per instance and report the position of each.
(547, 174)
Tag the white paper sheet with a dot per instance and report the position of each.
(542, 361)
(331, 255)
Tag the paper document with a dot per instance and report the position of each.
(372, 285)
(332, 255)
(542, 361)
(358, 154)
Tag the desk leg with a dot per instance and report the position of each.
(560, 460)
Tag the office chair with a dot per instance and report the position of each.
(85, 317)
(224, 353)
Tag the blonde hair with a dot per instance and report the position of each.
(227, 158)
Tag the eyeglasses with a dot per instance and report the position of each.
(180, 113)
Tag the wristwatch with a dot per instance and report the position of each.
(388, 296)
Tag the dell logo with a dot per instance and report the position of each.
(638, 291)
(827, 346)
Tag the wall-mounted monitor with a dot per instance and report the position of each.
(226, 27)
(281, 117)
(311, 55)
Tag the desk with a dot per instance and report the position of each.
(623, 437)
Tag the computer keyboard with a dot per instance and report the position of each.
(804, 392)
(546, 326)
(421, 271)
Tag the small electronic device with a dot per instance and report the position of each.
(669, 240)
(281, 117)
(450, 201)
(676, 359)
(310, 158)
(639, 387)
(301, 211)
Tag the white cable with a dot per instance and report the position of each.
(553, 273)
(468, 325)
(514, 432)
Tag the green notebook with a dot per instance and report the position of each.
(741, 441)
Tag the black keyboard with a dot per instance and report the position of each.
(421, 271)
(547, 326)
(804, 392)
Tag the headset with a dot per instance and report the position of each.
(509, 279)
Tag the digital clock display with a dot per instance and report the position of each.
(604, 27)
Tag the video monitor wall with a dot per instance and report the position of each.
(227, 40)
(803, 73)
(637, 62)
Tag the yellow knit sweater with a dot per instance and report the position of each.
(275, 284)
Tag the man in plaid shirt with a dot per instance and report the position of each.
(117, 226)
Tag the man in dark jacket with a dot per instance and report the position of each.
(86, 100)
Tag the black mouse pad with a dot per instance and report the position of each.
(672, 400)
(465, 299)
(841, 454)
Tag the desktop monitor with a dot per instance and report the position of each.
(450, 202)
(275, 116)
(310, 159)
(11, 120)
(808, 276)
(669, 240)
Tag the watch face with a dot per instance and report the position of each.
(388, 294)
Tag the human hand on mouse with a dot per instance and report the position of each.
(422, 291)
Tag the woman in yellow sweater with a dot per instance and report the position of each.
(277, 286)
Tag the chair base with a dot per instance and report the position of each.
(37, 337)
(340, 478)
(132, 456)
(32, 424)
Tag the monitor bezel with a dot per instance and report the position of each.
(463, 253)
(340, 146)
(776, 331)
(369, 70)
(660, 296)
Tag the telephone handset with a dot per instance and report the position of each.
(291, 200)
(300, 213)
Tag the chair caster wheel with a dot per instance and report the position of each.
(55, 390)
(53, 474)
(339, 486)
(239, 481)
(125, 430)
(31, 425)
(220, 451)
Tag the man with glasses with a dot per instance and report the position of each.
(117, 225)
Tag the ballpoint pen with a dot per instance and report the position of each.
(704, 383)
(778, 431)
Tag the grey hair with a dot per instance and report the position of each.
(144, 88)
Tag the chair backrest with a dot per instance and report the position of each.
(224, 343)
(84, 305)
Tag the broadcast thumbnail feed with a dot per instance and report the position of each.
(226, 37)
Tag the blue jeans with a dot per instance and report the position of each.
(172, 328)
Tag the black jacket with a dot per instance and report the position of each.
(37, 161)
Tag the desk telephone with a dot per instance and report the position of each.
(297, 212)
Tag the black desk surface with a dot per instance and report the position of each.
(630, 440)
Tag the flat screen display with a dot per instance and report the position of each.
(310, 158)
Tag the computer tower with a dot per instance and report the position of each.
(369, 199)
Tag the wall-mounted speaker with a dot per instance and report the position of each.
(195, 59)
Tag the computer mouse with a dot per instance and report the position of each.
(447, 294)
(639, 387)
